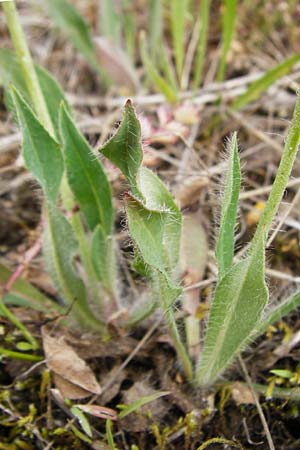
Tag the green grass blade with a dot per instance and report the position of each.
(110, 21)
(239, 300)
(262, 84)
(10, 73)
(68, 19)
(154, 76)
(155, 26)
(60, 247)
(166, 66)
(225, 242)
(109, 435)
(86, 176)
(129, 28)
(202, 44)
(22, 293)
(178, 9)
(42, 155)
(277, 313)
(228, 26)
(135, 406)
(124, 149)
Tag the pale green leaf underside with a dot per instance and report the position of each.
(225, 242)
(42, 155)
(86, 176)
(124, 149)
(102, 253)
(60, 247)
(239, 300)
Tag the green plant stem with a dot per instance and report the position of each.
(26, 64)
(85, 257)
(180, 348)
(282, 177)
(18, 355)
(27, 335)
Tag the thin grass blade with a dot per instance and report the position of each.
(262, 84)
(202, 43)
(135, 406)
(42, 155)
(154, 76)
(86, 176)
(225, 242)
(178, 9)
(155, 26)
(110, 20)
(228, 26)
(129, 28)
(68, 19)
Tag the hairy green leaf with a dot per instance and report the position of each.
(225, 242)
(60, 247)
(146, 227)
(86, 176)
(239, 300)
(10, 72)
(157, 197)
(68, 19)
(124, 149)
(262, 84)
(42, 155)
(103, 258)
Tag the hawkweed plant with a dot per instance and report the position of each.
(79, 220)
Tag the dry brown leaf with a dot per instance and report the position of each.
(242, 394)
(99, 411)
(65, 363)
(115, 63)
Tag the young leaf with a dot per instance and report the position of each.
(124, 149)
(86, 176)
(41, 153)
(10, 72)
(134, 406)
(146, 227)
(277, 313)
(103, 258)
(225, 242)
(239, 300)
(157, 197)
(59, 247)
(84, 423)
(73, 25)
(262, 84)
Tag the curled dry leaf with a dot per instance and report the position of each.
(72, 375)
(99, 411)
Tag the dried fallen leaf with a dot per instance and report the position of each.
(99, 411)
(242, 394)
(73, 376)
(116, 64)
